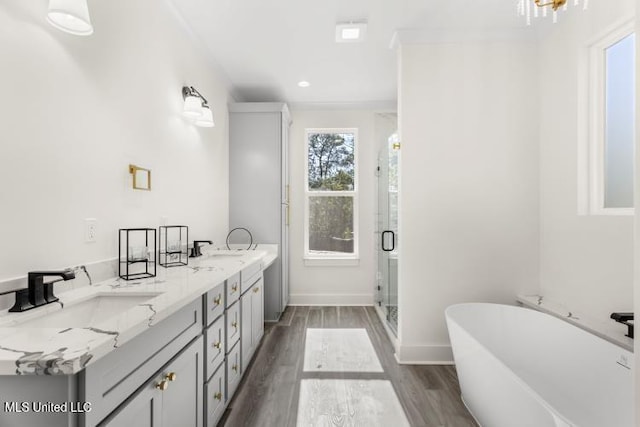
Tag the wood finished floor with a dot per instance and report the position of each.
(268, 393)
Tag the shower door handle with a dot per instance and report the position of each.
(393, 241)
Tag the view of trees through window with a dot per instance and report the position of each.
(331, 191)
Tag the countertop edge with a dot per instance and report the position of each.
(93, 343)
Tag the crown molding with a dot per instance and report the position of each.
(377, 106)
(439, 36)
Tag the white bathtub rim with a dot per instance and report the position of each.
(534, 394)
(532, 312)
(464, 402)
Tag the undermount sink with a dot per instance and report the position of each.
(225, 255)
(87, 313)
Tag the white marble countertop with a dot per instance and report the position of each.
(66, 351)
(608, 330)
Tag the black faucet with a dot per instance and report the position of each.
(625, 319)
(195, 250)
(38, 292)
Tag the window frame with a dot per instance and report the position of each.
(332, 258)
(593, 174)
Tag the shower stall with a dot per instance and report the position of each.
(387, 223)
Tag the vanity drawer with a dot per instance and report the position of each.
(215, 397)
(233, 325)
(111, 380)
(233, 289)
(233, 370)
(214, 303)
(249, 275)
(215, 347)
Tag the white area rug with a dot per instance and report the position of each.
(340, 350)
(349, 403)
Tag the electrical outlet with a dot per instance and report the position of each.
(90, 230)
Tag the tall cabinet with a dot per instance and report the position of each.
(259, 188)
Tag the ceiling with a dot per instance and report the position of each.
(265, 47)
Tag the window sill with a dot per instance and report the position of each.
(613, 212)
(331, 262)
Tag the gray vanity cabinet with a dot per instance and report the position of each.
(173, 397)
(215, 346)
(141, 411)
(252, 309)
(182, 400)
(117, 376)
(215, 397)
(257, 312)
(259, 176)
(181, 371)
(233, 289)
(234, 374)
(215, 302)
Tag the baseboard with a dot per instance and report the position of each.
(464, 402)
(424, 355)
(331, 299)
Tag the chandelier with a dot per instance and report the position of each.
(535, 8)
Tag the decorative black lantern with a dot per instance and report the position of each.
(137, 253)
(173, 245)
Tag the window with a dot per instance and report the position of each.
(619, 123)
(331, 205)
(612, 124)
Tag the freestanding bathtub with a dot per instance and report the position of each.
(522, 368)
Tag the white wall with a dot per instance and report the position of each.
(323, 284)
(636, 287)
(586, 262)
(75, 111)
(469, 183)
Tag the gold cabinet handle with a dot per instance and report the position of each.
(234, 287)
(217, 300)
(171, 376)
(217, 344)
(256, 290)
(162, 385)
(217, 396)
(235, 324)
(235, 368)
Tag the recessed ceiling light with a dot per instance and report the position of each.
(351, 32)
(304, 83)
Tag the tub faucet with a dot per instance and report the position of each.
(625, 319)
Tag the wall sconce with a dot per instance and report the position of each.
(70, 16)
(196, 107)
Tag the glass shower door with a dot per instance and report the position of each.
(387, 275)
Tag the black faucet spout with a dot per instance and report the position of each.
(195, 251)
(625, 319)
(41, 293)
